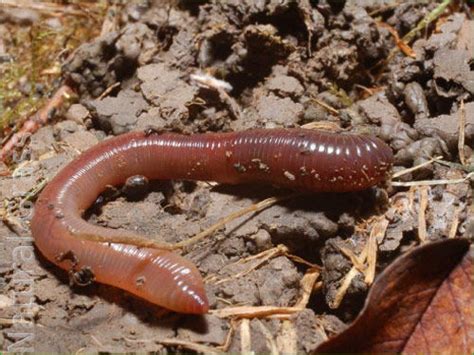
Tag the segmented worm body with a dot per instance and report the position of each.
(295, 158)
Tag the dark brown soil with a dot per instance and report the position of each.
(281, 58)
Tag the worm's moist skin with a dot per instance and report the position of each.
(296, 158)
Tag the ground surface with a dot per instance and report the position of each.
(283, 60)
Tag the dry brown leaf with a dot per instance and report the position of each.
(420, 304)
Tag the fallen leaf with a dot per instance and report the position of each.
(421, 303)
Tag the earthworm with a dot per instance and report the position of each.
(299, 159)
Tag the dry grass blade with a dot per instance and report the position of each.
(108, 90)
(433, 182)
(262, 258)
(341, 292)
(377, 233)
(423, 191)
(143, 242)
(253, 208)
(307, 285)
(130, 239)
(353, 258)
(271, 344)
(300, 260)
(326, 106)
(245, 337)
(454, 226)
(228, 339)
(266, 254)
(325, 125)
(254, 311)
(287, 338)
(462, 134)
(416, 167)
(358, 268)
(366, 92)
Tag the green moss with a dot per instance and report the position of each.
(341, 95)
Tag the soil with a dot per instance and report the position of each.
(281, 59)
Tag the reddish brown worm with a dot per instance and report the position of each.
(295, 158)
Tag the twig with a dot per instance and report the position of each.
(37, 120)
